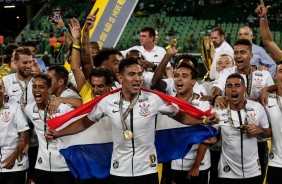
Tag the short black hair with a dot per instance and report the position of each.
(104, 55)
(60, 73)
(30, 44)
(9, 49)
(194, 71)
(45, 77)
(126, 63)
(185, 56)
(150, 30)
(244, 42)
(237, 76)
(102, 72)
(132, 51)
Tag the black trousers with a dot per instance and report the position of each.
(179, 177)
(32, 156)
(263, 158)
(145, 179)
(215, 156)
(13, 177)
(94, 181)
(253, 180)
(274, 175)
(47, 177)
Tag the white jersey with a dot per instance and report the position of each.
(170, 87)
(156, 55)
(187, 162)
(275, 117)
(230, 163)
(135, 157)
(69, 93)
(18, 90)
(224, 48)
(260, 79)
(48, 158)
(12, 121)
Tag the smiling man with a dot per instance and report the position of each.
(51, 167)
(242, 122)
(132, 114)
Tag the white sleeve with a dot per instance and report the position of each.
(98, 111)
(262, 117)
(170, 86)
(220, 81)
(269, 80)
(20, 119)
(165, 108)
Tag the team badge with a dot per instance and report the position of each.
(5, 116)
(145, 111)
(115, 164)
(152, 160)
(258, 83)
(271, 156)
(251, 118)
(226, 168)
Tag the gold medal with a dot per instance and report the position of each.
(128, 134)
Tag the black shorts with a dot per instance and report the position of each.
(145, 179)
(179, 177)
(253, 180)
(274, 175)
(47, 177)
(18, 177)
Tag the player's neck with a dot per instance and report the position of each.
(246, 70)
(21, 78)
(60, 90)
(149, 47)
(237, 107)
(279, 90)
(186, 96)
(43, 105)
(127, 96)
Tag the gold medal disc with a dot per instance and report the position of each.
(128, 134)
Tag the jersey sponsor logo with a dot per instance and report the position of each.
(35, 119)
(271, 95)
(271, 106)
(259, 74)
(15, 90)
(143, 100)
(153, 159)
(5, 116)
(115, 164)
(250, 109)
(116, 102)
(15, 82)
(271, 156)
(115, 111)
(226, 168)
(195, 104)
(145, 111)
(156, 55)
(258, 83)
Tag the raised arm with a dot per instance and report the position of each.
(157, 81)
(86, 59)
(188, 119)
(75, 56)
(266, 36)
(62, 27)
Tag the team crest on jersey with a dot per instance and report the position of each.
(5, 116)
(145, 111)
(226, 168)
(152, 160)
(251, 118)
(271, 156)
(258, 83)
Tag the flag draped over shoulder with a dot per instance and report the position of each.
(88, 154)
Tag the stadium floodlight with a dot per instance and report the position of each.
(10, 6)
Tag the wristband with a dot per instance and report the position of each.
(76, 46)
(64, 29)
(280, 60)
(263, 18)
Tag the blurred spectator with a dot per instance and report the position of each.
(192, 42)
(57, 48)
